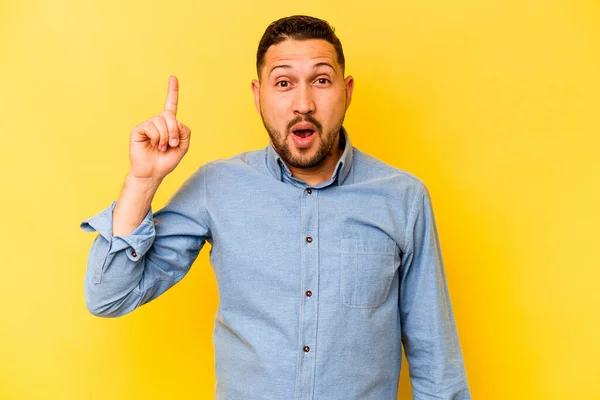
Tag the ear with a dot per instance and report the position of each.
(349, 89)
(256, 93)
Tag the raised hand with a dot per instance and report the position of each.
(157, 145)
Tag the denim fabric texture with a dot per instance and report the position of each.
(319, 286)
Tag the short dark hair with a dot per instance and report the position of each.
(299, 27)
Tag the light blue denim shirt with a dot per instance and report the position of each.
(318, 285)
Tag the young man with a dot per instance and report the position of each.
(326, 259)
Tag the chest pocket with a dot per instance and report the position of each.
(367, 270)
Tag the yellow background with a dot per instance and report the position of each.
(494, 104)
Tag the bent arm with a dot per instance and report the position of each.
(127, 271)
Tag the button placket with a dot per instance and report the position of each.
(309, 283)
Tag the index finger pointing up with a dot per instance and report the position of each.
(172, 95)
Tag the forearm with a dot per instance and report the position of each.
(112, 282)
(133, 204)
(126, 271)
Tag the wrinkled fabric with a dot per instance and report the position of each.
(319, 286)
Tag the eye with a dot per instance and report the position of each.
(283, 84)
(323, 81)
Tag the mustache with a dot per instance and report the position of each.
(306, 118)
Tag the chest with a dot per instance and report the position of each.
(279, 242)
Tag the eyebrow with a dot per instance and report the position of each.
(317, 65)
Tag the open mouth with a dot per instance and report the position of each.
(303, 133)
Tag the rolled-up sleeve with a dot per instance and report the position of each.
(429, 333)
(125, 272)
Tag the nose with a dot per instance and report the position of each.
(303, 100)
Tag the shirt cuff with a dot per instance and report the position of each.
(137, 243)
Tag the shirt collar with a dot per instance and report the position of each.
(277, 167)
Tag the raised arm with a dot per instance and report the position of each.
(139, 254)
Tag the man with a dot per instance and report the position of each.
(326, 259)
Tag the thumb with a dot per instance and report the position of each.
(184, 135)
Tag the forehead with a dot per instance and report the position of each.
(292, 51)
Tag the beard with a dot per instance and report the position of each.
(304, 159)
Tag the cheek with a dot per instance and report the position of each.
(332, 106)
(274, 108)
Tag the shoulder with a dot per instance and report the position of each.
(370, 168)
(250, 158)
(219, 170)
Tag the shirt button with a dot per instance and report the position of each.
(308, 293)
(306, 349)
(309, 239)
(309, 190)
(134, 254)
